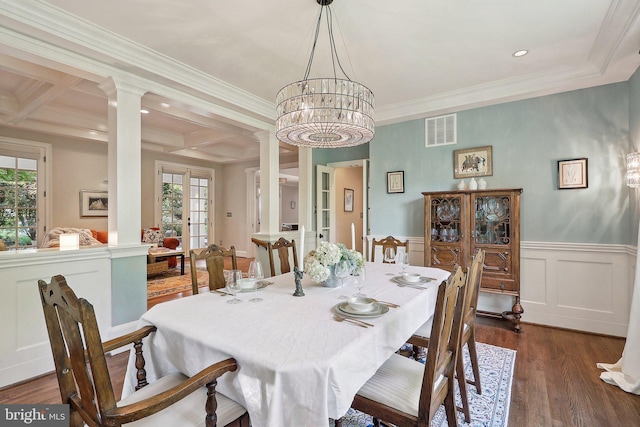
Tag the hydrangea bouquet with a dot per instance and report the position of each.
(318, 263)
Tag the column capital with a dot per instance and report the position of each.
(114, 84)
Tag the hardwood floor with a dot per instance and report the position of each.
(556, 382)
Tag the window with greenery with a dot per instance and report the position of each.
(18, 202)
(172, 205)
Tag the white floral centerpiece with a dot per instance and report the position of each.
(319, 262)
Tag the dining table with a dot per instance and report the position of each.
(297, 365)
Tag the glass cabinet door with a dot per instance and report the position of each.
(445, 219)
(492, 220)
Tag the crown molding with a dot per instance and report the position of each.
(77, 42)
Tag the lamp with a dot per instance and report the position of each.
(325, 112)
(633, 170)
(69, 241)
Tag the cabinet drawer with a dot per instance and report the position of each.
(499, 284)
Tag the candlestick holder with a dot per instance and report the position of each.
(297, 273)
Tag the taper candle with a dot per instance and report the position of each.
(353, 236)
(301, 253)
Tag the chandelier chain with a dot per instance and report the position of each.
(332, 45)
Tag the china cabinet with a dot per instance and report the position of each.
(457, 223)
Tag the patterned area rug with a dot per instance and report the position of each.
(490, 409)
(171, 284)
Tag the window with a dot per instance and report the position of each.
(22, 192)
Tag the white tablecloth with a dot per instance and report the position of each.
(297, 366)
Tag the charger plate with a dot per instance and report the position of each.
(421, 281)
(378, 310)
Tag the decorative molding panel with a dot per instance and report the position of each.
(585, 287)
(27, 352)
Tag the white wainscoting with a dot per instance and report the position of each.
(24, 350)
(581, 286)
(587, 287)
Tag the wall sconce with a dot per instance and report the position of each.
(69, 241)
(633, 170)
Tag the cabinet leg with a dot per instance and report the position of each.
(515, 314)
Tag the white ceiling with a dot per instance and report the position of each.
(212, 68)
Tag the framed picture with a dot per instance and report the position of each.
(572, 174)
(473, 162)
(94, 203)
(395, 182)
(348, 200)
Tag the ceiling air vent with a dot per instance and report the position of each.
(440, 130)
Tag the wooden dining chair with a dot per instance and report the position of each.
(282, 246)
(420, 338)
(387, 242)
(405, 392)
(214, 256)
(85, 385)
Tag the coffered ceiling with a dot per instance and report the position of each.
(211, 69)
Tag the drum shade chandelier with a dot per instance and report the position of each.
(325, 112)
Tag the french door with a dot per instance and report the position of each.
(325, 213)
(186, 205)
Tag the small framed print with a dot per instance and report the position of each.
(395, 182)
(94, 203)
(473, 162)
(573, 174)
(348, 200)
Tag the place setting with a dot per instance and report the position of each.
(360, 306)
(238, 284)
(412, 280)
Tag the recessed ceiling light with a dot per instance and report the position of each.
(144, 111)
(519, 53)
(165, 105)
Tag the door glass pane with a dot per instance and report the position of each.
(172, 205)
(18, 202)
(445, 219)
(492, 220)
(198, 212)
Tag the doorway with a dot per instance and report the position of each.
(350, 197)
(185, 204)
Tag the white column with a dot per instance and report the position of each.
(269, 185)
(124, 157)
(305, 189)
(305, 198)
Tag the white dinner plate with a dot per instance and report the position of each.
(259, 285)
(378, 310)
(421, 281)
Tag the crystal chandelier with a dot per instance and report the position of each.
(633, 170)
(325, 112)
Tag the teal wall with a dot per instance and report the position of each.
(528, 138)
(129, 289)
